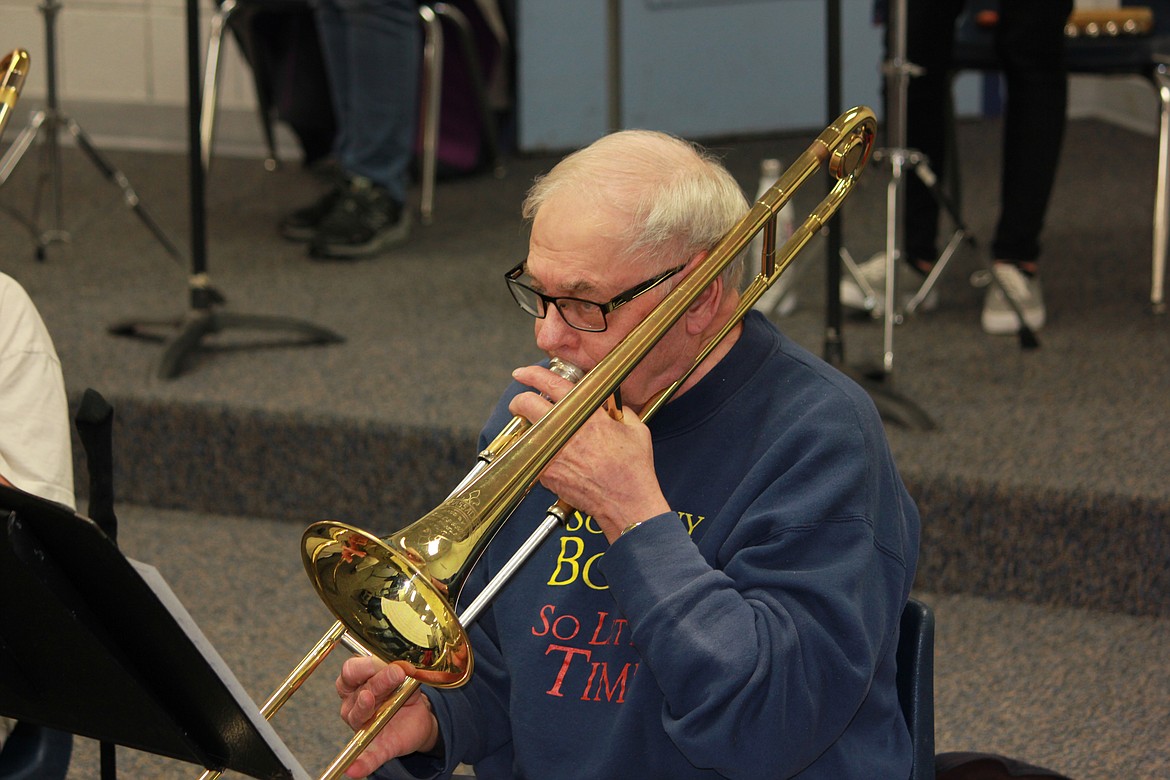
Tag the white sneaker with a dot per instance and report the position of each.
(873, 273)
(999, 317)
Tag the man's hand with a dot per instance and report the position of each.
(606, 469)
(364, 685)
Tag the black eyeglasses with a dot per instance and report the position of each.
(577, 312)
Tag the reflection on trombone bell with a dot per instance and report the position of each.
(393, 596)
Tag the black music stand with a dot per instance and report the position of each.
(94, 645)
(204, 317)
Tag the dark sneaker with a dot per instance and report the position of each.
(365, 221)
(302, 224)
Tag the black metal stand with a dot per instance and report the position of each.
(51, 119)
(100, 647)
(900, 159)
(203, 318)
(890, 405)
(834, 346)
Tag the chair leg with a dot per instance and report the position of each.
(432, 85)
(262, 81)
(471, 57)
(211, 80)
(1161, 77)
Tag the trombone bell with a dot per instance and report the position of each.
(382, 595)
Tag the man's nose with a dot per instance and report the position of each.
(552, 332)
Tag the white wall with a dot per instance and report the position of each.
(122, 70)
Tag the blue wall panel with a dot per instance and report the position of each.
(697, 68)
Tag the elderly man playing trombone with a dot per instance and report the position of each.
(724, 601)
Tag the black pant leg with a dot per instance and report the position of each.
(930, 40)
(1030, 45)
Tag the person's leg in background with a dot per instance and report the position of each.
(1030, 46)
(302, 224)
(372, 50)
(930, 44)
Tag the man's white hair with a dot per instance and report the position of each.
(674, 198)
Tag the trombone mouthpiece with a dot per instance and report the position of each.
(565, 370)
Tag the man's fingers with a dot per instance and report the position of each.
(546, 382)
(357, 710)
(362, 685)
(354, 674)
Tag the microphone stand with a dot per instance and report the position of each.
(204, 318)
(834, 346)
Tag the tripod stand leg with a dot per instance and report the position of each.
(936, 271)
(893, 407)
(8, 164)
(310, 333)
(854, 271)
(119, 179)
(1027, 336)
(208, 322)
(205, 319)
(190, 335)
(51, 151)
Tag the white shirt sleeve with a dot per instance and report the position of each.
(35, 446)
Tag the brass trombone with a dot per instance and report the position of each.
(13, 70)
(393, 596)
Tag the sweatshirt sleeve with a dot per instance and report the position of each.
(765, 657)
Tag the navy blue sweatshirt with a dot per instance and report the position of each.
(749, 633)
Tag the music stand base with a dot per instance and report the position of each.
(201, 323)
(891, 406)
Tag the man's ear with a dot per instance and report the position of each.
(703, 309)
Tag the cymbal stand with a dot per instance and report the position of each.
(51, 119)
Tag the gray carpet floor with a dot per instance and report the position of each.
(1082, 692)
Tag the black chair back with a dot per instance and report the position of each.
(34, 752)
(916, 683)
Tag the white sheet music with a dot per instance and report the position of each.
(151, 576)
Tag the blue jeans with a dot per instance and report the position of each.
(372, 51)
